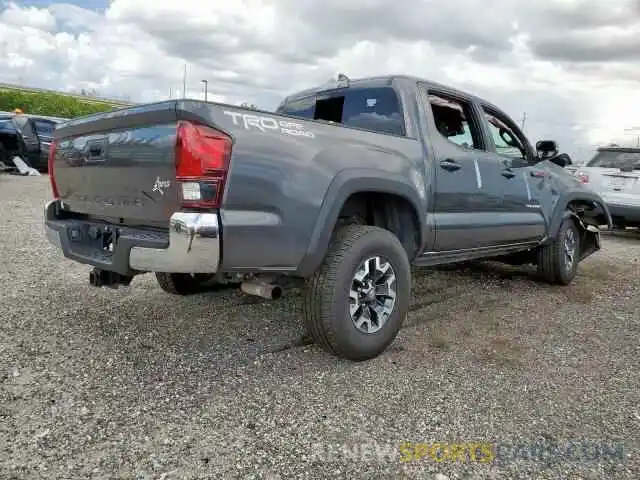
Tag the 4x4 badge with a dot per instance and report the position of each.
(160, 185)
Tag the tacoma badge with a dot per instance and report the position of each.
(160, 185)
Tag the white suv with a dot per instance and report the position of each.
(614, 173)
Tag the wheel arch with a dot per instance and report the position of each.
(347, 185)
(586, 207)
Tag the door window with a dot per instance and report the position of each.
(44, 128)
(507, 141)
(454, 121)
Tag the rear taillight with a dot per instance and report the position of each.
(202, 163)
(50, 167)
(583, 177)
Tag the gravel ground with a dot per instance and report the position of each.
(135, 383)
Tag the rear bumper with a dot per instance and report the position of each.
(191, 245)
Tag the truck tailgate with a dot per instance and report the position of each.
(119, 165)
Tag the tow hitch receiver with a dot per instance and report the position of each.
(104, 278)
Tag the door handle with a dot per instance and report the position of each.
(449, 165)
(508, 173)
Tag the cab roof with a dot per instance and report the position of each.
(384, 81)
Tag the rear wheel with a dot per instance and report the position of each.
(356, 302)
(558, 261)
(182, 283)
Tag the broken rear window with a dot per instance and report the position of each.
(374, 109)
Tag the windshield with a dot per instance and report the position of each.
(616, 159)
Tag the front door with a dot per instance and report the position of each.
(510, 182)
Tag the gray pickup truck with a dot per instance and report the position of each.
(345, 186)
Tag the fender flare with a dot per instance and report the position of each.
(561, 211)
(346, 183)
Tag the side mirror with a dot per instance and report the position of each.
(546, 148)
(562, 160)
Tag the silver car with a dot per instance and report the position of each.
(614, 173)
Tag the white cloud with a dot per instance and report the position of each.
(518, 54)
(38, 18)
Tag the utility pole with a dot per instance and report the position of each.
(524, 119)
(184, 82)
(206, 83)
(170, 93)
(634, 131)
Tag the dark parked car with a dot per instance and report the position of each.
(27, 136)
(343, 186)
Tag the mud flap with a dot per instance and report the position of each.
(590, 241)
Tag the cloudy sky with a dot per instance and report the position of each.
(572, 65)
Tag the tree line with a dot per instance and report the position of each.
(49, 104)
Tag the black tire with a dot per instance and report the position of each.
(554, 265)
(326, 300)
(182, 283)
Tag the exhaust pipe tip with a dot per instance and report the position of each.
(276, 292)
(269, 291)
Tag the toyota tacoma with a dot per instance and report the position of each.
(343, 187)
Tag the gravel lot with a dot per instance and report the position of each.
(135, 383)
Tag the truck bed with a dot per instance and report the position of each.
(120, 167)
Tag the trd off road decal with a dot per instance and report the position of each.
(268, 124)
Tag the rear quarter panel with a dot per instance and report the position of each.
(286, 174)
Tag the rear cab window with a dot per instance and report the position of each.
(623, 160)
(374, 109)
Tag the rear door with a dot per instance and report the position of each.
(460, 203)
